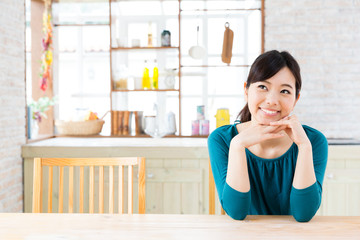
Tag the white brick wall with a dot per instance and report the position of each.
(12, 103)
(324, 36)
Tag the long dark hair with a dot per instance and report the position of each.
(267, 65)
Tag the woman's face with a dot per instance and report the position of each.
(272, 99)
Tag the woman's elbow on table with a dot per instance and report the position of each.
(236, 204)
(237, 215)
(301, 217)
(237, 210)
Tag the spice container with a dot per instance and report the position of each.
(121, 78)
(166, 38)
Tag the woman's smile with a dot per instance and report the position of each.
(269, 112)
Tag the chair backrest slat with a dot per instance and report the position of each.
(71, 189)
(91, 189)
(50, 188)
(121, 190)
(37, 185)
(101, 189)
(111, 189)
(61, 189)
(141, 185)
(130, 189)
(91, 163)
(81, 187)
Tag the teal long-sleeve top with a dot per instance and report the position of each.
(271, 191)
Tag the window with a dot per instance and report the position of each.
(81, 68)
(82, 58)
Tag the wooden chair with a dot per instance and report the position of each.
(212, 193)
(91, 163)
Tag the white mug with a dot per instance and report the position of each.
(135, 42)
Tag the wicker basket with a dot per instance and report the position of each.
(79, 128)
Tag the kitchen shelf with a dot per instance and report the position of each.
(143, 48)
(129, 136)
(79, 25)
(146, 90)
(228, 9)
(207, 66)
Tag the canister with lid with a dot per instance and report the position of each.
(222, 117)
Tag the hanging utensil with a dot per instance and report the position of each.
(197, 52)
(227, 44)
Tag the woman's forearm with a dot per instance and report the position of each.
(304, 172)
(237, 173)
(236, 197)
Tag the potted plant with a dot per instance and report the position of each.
(37, 112)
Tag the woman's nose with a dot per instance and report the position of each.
(272, 99)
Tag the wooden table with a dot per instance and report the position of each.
(32, 226)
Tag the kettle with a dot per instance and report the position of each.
(222, 117)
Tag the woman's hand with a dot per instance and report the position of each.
(293, 129)
(256, 133)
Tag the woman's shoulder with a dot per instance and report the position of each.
(314, 135)
(225, 133)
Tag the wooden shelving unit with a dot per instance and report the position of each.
(142, 48)
(178, 48)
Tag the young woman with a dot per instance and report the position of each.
(268, 163)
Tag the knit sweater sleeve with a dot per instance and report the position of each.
(305, 202)
(236, 204)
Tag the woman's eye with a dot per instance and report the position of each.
(262, 87)
(285, 91)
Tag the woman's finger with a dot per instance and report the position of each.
(280, 122)
(273, 135)
(279, 128)
(275, 129)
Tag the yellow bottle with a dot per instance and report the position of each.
(222, 117)
(155, 78)
(146, 77)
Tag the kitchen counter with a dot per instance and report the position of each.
(343, 141)
(177, 170)
(144, 147)
(119, 147)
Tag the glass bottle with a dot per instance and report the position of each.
(150, 38)
(155, 78)
(166, 38)
(146, 77)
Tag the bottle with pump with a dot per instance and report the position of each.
(146, 77)
(155, 78)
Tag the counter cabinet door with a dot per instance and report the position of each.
(341, 188)
(176, 186)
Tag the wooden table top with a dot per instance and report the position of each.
(32, 226)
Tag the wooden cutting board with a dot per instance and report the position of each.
(227, 44)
